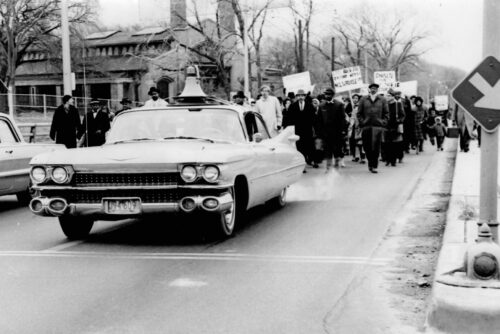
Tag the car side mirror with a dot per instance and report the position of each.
(257, 137)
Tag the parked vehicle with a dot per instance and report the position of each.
(198, 154)
(15, 155)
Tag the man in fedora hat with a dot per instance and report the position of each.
(239, 98)
(95, 125)
(373, 115)
(301, 114)
(155, 101)
(126, 105)
(332, 124)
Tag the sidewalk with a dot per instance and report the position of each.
(456, 309)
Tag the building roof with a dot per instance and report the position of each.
(98, 64)
(128, 38)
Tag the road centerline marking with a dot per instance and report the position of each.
(307, 259)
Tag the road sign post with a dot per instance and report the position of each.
(479, 94)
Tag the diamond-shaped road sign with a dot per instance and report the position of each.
(479, 94)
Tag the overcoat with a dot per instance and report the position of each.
(65, 126)
(95, 128)
(332, 123)
(395, 123)
(420, 118)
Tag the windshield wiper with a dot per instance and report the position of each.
(187, 137)
(131, 140)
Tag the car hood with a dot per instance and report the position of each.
(147, 153)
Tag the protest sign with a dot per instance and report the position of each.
(441, 102)
(294, 82)
(386, 80)
(408, 88)
(347, 79)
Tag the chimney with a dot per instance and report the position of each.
(178, 14)
(226, 15)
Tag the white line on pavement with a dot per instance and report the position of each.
(202, 256)
(70, 244)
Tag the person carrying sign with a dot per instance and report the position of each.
(373, 115)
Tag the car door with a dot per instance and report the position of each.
(9, 139)
(262, 184)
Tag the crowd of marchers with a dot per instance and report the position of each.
(371, 128)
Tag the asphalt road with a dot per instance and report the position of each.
(283, 272)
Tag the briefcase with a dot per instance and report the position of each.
(452, 132)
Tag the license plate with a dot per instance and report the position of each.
(122, 206)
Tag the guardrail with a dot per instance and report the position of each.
(31, 131)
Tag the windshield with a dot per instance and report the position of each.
(205, 124)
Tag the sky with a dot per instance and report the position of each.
(455, 26)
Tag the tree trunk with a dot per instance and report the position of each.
(258, 65)
(300, 60)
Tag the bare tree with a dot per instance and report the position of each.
(214, 44)
(28, 23)
(302, 13)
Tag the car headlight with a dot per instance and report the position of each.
(189, 174)
(59, 175)
(38, 174)
(211, 173)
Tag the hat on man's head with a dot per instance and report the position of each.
(356, 95)
(153, 90)
(300, 92)
(373, 84)
(329, 91)
(391, 92)
(66, 98)
(125, 100)
(239, 94)
(94, 101)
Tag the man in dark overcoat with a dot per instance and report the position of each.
(409, 125)
(373, 115)
(65, 123)
(394, 131)
(301, 114)
(332, 124)
(95, 125)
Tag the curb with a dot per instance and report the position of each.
(455, 309)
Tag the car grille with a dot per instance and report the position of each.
(125, 179)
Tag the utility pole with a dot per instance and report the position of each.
(333, 58)
(65, 48)
(246, 75)
(489, 140)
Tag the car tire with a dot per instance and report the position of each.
(279, 201)
(75, 227)
(24, 198)
(225, 222)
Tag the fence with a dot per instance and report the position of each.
(39, 107)
(35, 132)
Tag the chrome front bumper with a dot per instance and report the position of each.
(42, 207)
